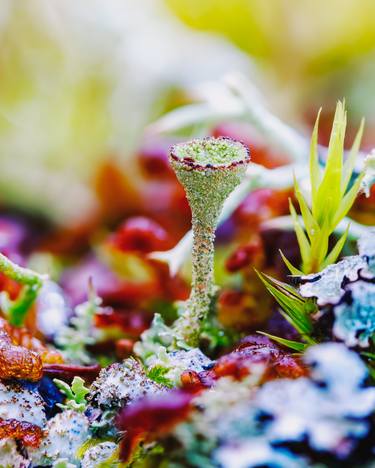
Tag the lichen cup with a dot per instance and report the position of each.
(209, 170)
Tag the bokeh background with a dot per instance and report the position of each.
(80, 81)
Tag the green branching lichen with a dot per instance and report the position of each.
(209, 170)
(74, 338)
(75, 394)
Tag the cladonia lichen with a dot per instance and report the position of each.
(209, 170)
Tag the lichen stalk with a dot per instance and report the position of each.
(209, 170)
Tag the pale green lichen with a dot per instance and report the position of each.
(211, 151)
(209, 170)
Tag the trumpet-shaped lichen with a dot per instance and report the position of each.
(209, 170)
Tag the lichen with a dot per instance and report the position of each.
(326, 286)
(74, 339)
(369, 178)
(99, 456)
(65, 433)
(21, 404)
(175, 363)
(328, 409)
(209, 170)
(9, 456)
(121, 383)
(210, 151)
(366, 248)
(284, 422)
(355, 314)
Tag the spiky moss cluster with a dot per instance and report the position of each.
(209, 170)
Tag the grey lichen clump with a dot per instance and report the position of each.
(64, 434)
(209, 170)
(345, 294)
(121, 383)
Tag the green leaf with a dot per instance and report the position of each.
(303, 243)
(296, 345)
(351, 159)
(314, 161)
(347, 201)
(291, 302)
(294, 271)
(157, 374)
(311, 226)
(335, 252)
(329, 192)
(321, 244)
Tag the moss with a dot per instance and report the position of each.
(209, 170)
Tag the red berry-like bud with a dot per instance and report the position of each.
(140, 234)
(244, 256)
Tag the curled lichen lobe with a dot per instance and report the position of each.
(210, 153)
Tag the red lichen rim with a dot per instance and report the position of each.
(190, 164)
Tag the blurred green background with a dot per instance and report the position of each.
(80, 80)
